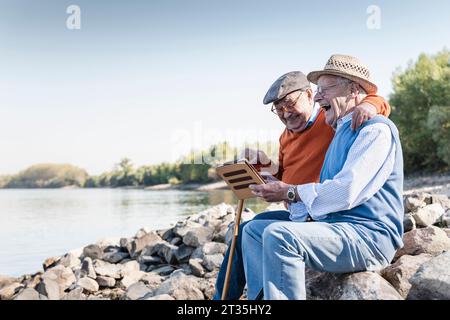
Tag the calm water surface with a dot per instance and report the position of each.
(36, 224)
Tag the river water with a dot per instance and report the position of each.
(36, 224)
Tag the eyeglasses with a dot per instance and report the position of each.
(287, 108)
(323, 90)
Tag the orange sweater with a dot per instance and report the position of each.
(301, 154)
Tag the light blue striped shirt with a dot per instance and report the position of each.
(369, 163)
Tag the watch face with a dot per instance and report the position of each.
(291, 195)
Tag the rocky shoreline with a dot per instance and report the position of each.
(182, 263)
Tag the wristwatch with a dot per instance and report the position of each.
(291, 194)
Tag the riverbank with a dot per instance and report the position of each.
(182, 262)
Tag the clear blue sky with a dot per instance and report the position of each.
(140, 72)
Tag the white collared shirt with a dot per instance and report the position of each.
(370, 161)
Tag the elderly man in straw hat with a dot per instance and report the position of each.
(356, 208)
(302, 149)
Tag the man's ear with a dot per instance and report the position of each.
(310, 93)
(355, 89)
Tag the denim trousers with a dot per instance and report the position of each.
(275, 254)
(237, 275)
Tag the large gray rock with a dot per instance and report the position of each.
(182, 228)
(198, 236)
(87, 268)
(132, 278)
(152, 280)
(93, 251)
(142, 232)
(30, 294)
(181, 287)
(441, 199)
(107, 282)
(415, 201)
(428, 215)
(409, 223)
(432, 280)
(107, 269)
(196, 267)
(138, 291)
(163, 271)
(208, 287)
(214, 248)
(8, 291)
(136, 246)
(115, 257)
(129, 267)
(63, 276)
(50, 288)
(75, 294)
(399, 273)
(430, 240)
(6, 280)
(445, 220)
(165, 250)
(70, 260)
(88, 284)
(212, 261)
(354, 286)
(183, 252)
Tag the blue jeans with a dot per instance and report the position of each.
(237, 276)
(276, 253)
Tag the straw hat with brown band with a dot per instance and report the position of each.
(346, 67)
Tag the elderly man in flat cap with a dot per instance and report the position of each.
(303, 145)
(356, 207)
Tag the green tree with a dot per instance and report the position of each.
(439, 124)
(424, 84)
(48, 176)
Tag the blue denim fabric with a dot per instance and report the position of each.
(275, 255)
(237, 276)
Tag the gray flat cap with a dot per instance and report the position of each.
(288, 83)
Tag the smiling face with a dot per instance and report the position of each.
(295, 109)
(334, 96)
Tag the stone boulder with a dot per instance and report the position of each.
(30, 294)
(409, 223)
(415, 201)
(88, 284)
(6, 280)
(9, 290)
(212, 261)
(64, 277)
(353, 286)
(93, 251)
(428, 215)
(432, 280)
(198, 236)
(106, 282)
(138, 291)
(181, 287)
(107, 269)
(136, 245)
(399, 273)
(431, 240)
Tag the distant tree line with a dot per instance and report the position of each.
(197, 167)
(46, 176)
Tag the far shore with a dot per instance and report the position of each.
(436, 183)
